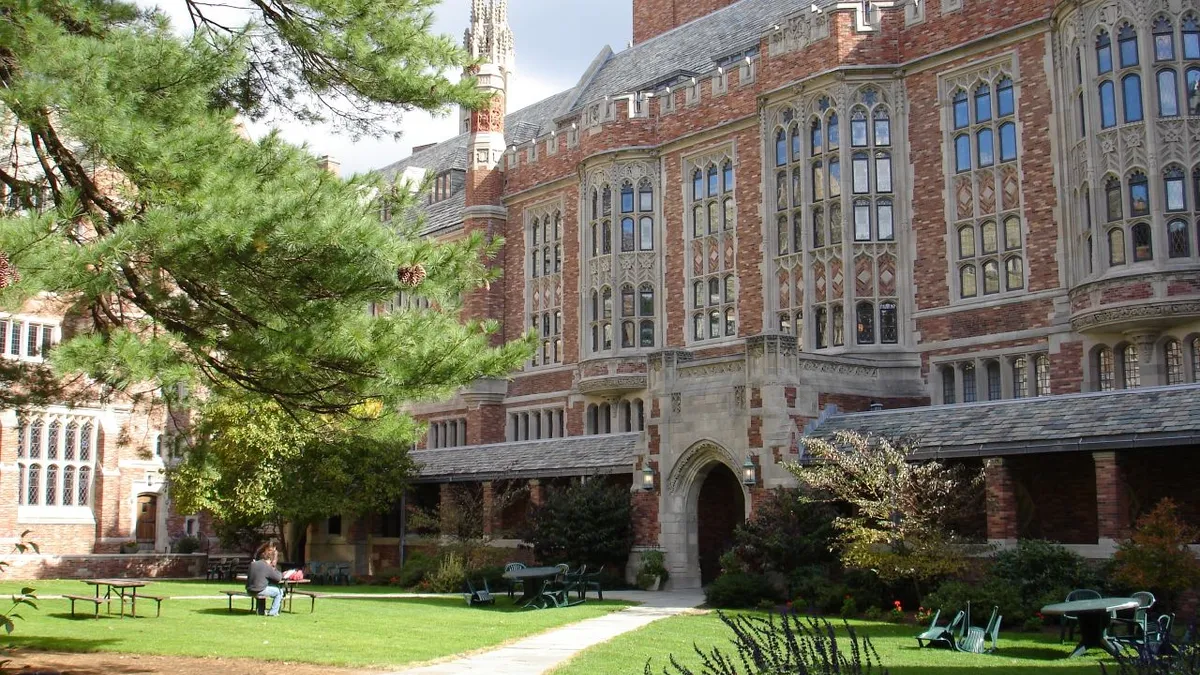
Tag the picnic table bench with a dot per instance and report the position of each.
(85, 598)
(289, 589)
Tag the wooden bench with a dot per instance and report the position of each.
(311, 596)
(157, 602)
(97, 601)
(254, 598)
(232, 594)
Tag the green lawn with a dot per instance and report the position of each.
(186, 587)
(1019, 653)
(363, 632)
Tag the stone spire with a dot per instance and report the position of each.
(490, 40)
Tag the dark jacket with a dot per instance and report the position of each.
(260, 574)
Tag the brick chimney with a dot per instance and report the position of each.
(330, 164)
(655, 17)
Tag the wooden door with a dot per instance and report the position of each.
(147, 518)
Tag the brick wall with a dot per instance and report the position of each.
(654, 17)
(114, 566)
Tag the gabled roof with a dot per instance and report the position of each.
(571, 456)
(1131, 418)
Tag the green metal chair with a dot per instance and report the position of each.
(943, 636)
(1069, 621)
(514, 584)
(1136, 626)
(589, 580)
(475, 595)
(977, 640)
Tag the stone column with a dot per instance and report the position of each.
(1001, 501)
(1112, 499)
(537, 493)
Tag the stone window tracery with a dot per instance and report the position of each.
(1174, 361)
(630, 416)
(543, 282)
(985, 181)
(449, 433)
(824, 265)
(532, 425)
(622, 267)
(711, 244)
(55, 460)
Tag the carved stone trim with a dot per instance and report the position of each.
(677, 403)
(813, 365)
(607, 383)
(1139, 312)
(704, 370)
(693, 460)
(739, 397)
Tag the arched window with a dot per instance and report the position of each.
(989, 237)
(1012, 233)
(714, 183)
(885, 228)
(1168, 93)
(71, 439)
(1104, 369)
(33, 485)
(730, 323)
(883, 171)
(714, 323)
(984, 143)
(983, 103)
(1195, 359)
(627, 198)
(948, 385)
(84, 487)
(967, 282)
(1008, 142)
(52, 435)
(1129, 363)
(858, 128)
(862, 220)
(822, 327)
(1041, 370)
(859, 163)
(647, 333)
(85, 447)
(1142, 246)
(698, 185)
(1164, 39)
(1175, 194)
(838, 319)
(962, 116)
(1131, 88)
(1139, 195)
(1127, 44)
(1178, 240)
(627, 235)
(994, 391)
(889, 329)
(1191, 37)
(727, 214)
(606, 237)
(646, 233)
(1005, 103)
(781, 148)
(1191, 91)
(727, 177)
(1174, 359)
(797, 145)
(991, 277)
(968, 375)
(645, 196)
(966, 241)
(1020, 368)
(1014, 273)
(698, 326)
(962, 153)
(1116, 246)
(1108, 104)
(816, 137)
(818, 181)
(865, 327)
(1103, 53)
(1112, 198)
(730, 289)
(883, 127)
(68, 488)
(35, 440)
(627, 301)
(833, 135)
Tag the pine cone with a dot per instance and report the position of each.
(411, 275)
(8, 273)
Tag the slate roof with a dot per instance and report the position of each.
(1150, 417)
(572, 456)
(690, 48)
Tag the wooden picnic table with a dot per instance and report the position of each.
(120, 586)
(533, 582)
(289, 588)
(1094, 616)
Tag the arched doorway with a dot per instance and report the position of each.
(720, 507)
(146, 529)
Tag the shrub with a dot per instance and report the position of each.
(653, 567)
(739, 590)
(415, 570)
(187, 545)
(788, 643)
(784, 533)
(449, 575)
(1156, 556)
(849, 607)
(865, 586)
(1034, 624)
(588, 523)
(953, 596)
(873, 613)
(830, 598)
(1037, 568)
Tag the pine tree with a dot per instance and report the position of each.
(190, 254)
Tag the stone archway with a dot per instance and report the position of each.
(720, 508)
(690, 499)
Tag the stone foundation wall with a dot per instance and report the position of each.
(106, 566)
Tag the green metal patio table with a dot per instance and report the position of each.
(1095, 616)
(534, 582)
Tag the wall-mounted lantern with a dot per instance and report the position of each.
(647, 477)
(749, 472)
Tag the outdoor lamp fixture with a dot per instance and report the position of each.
(748, 472)
(647, 478)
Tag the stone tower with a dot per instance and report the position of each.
(490, 40)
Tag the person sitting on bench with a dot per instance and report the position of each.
(262, 573)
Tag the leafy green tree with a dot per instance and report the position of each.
(251, 463)
(899, 523)
(1157, 556)
(586, 523)
(784, 533)
(189, 254)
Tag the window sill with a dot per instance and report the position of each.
(56, 515)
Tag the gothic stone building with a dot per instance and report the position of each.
(768, 218)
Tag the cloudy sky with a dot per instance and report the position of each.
(555, 42)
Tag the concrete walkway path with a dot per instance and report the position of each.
(543, 652)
